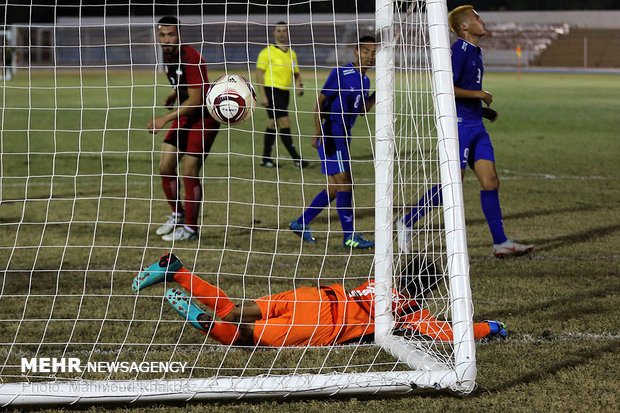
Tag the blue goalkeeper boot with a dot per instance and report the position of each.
(357, 241)
(498, 330)
(303, 231)
(186, 308)
(164, 269)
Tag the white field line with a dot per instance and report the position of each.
(189, 348)
(585, 258)
(519, 175)
(570, 337)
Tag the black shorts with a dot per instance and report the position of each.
(278, 102)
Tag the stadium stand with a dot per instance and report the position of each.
(504, 38)
(542, 44)
(133, 45)
(603, 49)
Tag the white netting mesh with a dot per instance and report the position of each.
(82, 197)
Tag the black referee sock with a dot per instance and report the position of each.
(270, 139)
(285, 135)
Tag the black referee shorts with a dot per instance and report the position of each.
(278, 102)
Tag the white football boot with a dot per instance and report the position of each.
(180, 234)
(169, 226)
(511, 249)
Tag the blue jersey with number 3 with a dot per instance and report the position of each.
(346, 91)
(468, 70)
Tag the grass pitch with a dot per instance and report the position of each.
(556, 149)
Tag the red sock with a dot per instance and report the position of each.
(206, 293)
(193, 198)
(223, 332)
(170, 183)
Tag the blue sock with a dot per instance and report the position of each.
(316, 206)
(432, 198)
(345, 211)
(493, 213)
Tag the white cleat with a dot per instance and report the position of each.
(180, 234)
(511, 249)
(404, 236)
(169, 226)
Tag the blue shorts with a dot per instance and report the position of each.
(334, 149)
(474, 144)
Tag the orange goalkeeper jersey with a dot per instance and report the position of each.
(409, 315)
(329, 314)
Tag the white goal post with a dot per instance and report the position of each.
(80, 214)
(460, 376)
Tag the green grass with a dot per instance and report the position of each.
(72, 242)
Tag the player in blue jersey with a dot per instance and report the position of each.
(474, 142)
(344, 96)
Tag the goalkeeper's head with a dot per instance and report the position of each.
(418, 277)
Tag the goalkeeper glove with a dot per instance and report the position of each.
(498, 329)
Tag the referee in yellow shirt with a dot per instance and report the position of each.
(276, 67)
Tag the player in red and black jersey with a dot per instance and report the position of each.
(191, 134)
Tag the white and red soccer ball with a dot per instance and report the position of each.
(231, 99)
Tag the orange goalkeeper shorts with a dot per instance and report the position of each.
(305, 316)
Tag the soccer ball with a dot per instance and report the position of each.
(231, 99)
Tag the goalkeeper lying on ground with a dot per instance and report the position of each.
(314, 316)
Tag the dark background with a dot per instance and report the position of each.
(43, 11)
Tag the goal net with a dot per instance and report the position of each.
(82, 200)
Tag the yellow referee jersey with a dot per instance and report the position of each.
(279, 66)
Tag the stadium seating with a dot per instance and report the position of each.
(501, 43)
(314, 44)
